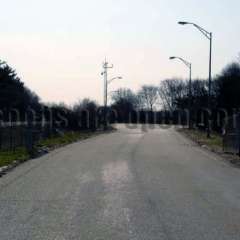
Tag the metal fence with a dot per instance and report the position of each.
(231, 135)
(22, 135)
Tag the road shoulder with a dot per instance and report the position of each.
(212, 146)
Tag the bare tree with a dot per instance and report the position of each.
(125, 95)
(87, 113)
(170, 91)
(148, 96)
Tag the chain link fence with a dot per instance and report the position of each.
(231, 135)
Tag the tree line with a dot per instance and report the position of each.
(162, 103)
(18, 104)
(171, 99)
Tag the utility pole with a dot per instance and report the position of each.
(106, 66)
(190, 98)
(210, 86)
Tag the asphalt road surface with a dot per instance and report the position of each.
(131, 184)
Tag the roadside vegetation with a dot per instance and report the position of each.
(215, 143)
(21, 154)
(67, 138)
(8, 157)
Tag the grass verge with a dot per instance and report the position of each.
(21, 154)
(8, 157)
(67, 138)
(215, 143)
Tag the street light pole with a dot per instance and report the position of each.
(189, 65)
(209, 36)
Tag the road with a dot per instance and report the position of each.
(130, 184)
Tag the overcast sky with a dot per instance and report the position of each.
(57, 47)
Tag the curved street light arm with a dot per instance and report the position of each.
(111, 80)
(203, 31)
(188, 64)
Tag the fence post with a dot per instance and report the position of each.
(29, 140)
(11, 136)
(29, 136)
(0, 137)
(238, 130)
